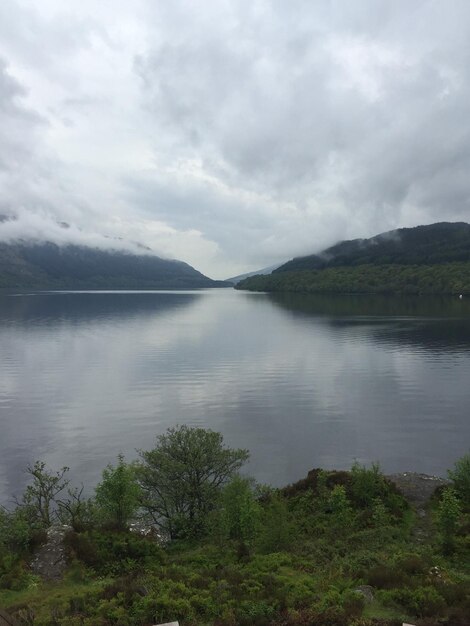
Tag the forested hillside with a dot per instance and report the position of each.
(49, 266)
(432, 259)
(423, 245)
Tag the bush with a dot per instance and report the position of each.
(385, 577)
(254, 613)
(447, 518)
(367, 484)
(109, 552)
(420, 602)
(460, 476)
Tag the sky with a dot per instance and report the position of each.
(235, 134)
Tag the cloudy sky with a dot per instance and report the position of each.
(232, 134)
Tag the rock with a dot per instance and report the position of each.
(367, 591)
(50, 560)
(417, 488)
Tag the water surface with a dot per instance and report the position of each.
(301, 381)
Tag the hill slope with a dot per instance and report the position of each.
(26, 265)
(267, 270)
(426, 259)
(443, 242)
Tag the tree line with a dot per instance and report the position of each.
(446, 278)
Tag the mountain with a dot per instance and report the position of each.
(433, 259)
(443, 242)
(267, 270)
(26, 265)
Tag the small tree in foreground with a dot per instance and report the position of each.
(76, 510)
(240, 512)
(40, 497)
(117, 495)
(182, 476)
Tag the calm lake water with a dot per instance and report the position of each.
(301, 381)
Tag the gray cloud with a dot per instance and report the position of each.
(235, 134)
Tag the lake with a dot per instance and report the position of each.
(301, 381)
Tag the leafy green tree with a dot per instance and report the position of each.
(182, 476)
(117, 495)
(240, 512)
(460, 476)
(448, 517)
(40, 497)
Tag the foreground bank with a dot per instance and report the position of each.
(213, 548)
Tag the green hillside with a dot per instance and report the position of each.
(432, 244)
(49, 266)
(433, 259)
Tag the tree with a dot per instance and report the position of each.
(117, 495)
(240, 512)
(76, 510)
(40, 497)
(182, 476)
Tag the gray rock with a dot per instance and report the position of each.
(50, 560)
(367, 591)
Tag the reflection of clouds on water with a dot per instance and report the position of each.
(297, 389)
(67, 358)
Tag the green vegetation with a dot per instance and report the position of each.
(118, 495)
(335, 549)
(182, 476)
(49, 266)
(433, 244)
(433, 259)
(448, 278)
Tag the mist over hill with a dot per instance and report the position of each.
(432, 259)
(443, 242)
(46, 265)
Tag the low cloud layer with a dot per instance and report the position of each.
(232, 135)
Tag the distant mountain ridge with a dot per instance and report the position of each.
(46, 265)
(442, 242)
(266, 270)
(432, 259)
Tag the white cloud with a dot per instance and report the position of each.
(232, 134)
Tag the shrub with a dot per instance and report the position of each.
(385, 577)
(420, 602)
(447, 518)
(367, 484)
(109, 552)
(460, 476)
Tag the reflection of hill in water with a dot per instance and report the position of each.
(77, 308)
(434, 323)
(448, 335)
(373, 305)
